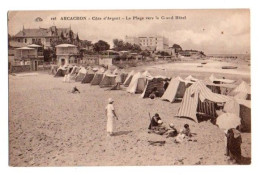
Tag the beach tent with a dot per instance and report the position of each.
(215, 80)
(69, 69)
(198, 99)
(191, 78)
(61, 72)
(88, 77)
(223, 89)
(123, 76)
(176, 89)
(156, 82)
(53, 69)
(241, 108)
(242, 91)
(129, 78)
(74, 73)
(97, 77)
(108, 80)
(116, 71)
(137, 84)
(81, 74)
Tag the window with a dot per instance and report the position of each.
(33, 40)
(25, 40)
(19, 40)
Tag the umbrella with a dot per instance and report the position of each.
(228, 120)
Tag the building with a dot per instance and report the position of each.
(30, 55)
(67, 54)
(151, 43)
(43, 36)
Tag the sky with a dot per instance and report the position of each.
(211, 31)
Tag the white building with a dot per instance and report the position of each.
(67, 54)
(151, 43)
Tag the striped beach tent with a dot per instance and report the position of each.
(199, 98)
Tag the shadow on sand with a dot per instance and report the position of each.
(119, 133)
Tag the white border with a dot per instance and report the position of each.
(131, 4)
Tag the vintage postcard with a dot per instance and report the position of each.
(129, 87)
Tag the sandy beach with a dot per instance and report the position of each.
(48, 126)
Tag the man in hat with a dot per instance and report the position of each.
(111, 115)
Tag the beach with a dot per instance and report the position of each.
(49, 126)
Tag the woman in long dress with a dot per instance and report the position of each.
(111, 115)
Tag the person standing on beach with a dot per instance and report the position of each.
(111, 114)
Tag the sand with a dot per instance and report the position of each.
(48, 126)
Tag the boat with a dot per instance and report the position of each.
(229, 67)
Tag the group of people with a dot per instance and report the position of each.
(156, 126)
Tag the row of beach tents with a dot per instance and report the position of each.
(199, 98)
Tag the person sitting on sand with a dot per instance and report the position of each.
(154, 93)
(160, 129)
(75, 90)
(186, 130)
(172, 132)
(154, 121)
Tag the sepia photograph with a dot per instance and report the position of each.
(129, 87)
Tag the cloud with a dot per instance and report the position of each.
(213, 31)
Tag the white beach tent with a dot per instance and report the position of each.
(213, 79)
(242, 91)
(129, 78)
(241, 108)
(176, 89)
(81, 74)
(108, 79)
(193, 99)
(137, 84)
(88, 77)
(191, 78)
(98, 77)
(154, 82)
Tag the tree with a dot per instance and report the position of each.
(101, 46)
(62, 36)
(86, 44)
(145, 53)
(177, 48)
(48, 54)
(77, 38)
(71, 36)
(120, 45)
